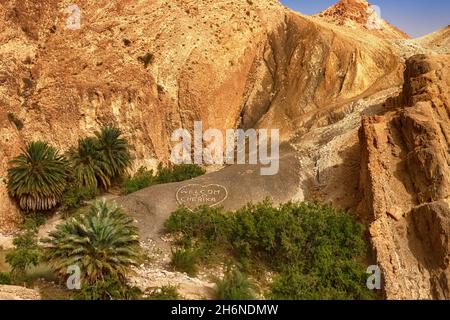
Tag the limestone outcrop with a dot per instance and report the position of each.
(405, 183)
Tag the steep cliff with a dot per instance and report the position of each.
(438, 41)
(405, 180)
(360, 14)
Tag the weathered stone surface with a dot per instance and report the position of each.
(439, 41)
(18, 293)
(227, 63)
(360, 14)
(405, 165)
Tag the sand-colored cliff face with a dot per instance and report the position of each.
(227, 63)
(438, 41)
(405, 179)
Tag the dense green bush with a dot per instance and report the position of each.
(75, 196)
(5, 278)
(33, 221)
(185, 260)
(164, 293)
(141, 180)
(340, 280)
(314, 247)
(27, 253)
(235, 286)
(177, 173)
(108, 288)
(146, 178)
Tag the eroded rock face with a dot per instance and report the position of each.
(360, 14)
(150, 67)
(438, 41)
(405, 180)
(18, 293)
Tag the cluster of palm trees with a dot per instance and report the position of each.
(103, 243)
(38, 178)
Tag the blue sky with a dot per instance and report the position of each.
(415, 17)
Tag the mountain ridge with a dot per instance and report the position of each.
(361, 14)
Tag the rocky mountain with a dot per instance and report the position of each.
(18, 293)
(363, 119)
(438, 41)
(360, 14)
(151, 67)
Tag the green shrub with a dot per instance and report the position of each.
(235, 286)
(141, 180)
(306, 242)
(164, 293)
(37, 177)
(26, 254)
(185, 260)
(76, 196)
(178, 173)
(108, 288)
(103, 242)
(33, 221)
(338, 282)
(5, 278)
(145, 178)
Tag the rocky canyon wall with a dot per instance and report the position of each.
(405, 180)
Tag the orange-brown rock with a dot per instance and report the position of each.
(360, 14)
(438, 41)
(405, 180)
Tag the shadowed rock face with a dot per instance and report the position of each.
(405, 180)
(243, 183)
(227, 63)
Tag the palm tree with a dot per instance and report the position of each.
(102, 243)
(89, 167)
(37, 178)
(115, 150)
